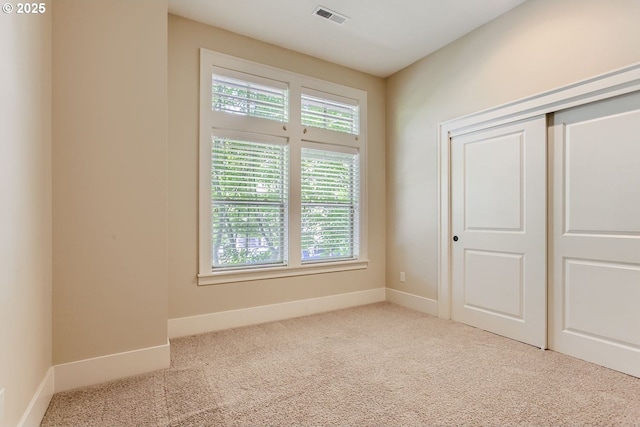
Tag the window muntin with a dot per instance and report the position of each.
(247, 95)
(330, 197)
(249, 193)
(332, 112)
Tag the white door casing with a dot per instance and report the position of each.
(595, 227)
(498, 204)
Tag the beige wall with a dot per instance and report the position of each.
(109, 177)
(124, 201)
(538, 46)
(185, 297)
(25, 208)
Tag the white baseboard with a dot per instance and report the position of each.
(111, 367)
(115, 366)
(38, 406)
(414, 302)
(193, 325)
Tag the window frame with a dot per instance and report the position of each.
(297, 136)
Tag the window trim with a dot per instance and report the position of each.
(298, 136)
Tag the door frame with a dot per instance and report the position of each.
(603, 86)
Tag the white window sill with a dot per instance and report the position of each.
(231, 276)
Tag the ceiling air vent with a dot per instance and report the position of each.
(329, 14)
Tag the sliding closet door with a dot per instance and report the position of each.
(498, 220)
(595, 254)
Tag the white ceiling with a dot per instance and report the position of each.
(380, 37)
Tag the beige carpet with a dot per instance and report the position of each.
(378, 365)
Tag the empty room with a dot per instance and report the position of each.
(359, 213)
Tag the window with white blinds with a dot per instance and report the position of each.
(247, 95)
(326, 111)
(249, 189)
(281, 186)
(330, 195)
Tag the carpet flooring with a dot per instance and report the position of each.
(376, 365)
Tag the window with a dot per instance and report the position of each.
(282, 189)
(248, 202)
(334, 114)
(249, 95)
(329, 205)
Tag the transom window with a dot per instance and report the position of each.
(330, 112)
(281, 188)
(249, 95)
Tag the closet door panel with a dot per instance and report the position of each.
(595, 251)
(498, 178)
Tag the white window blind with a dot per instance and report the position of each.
(249, 189)
(250, 96)
(330, 194)
(325, 111)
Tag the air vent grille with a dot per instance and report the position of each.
(331, 15)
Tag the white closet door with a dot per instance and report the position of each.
(498, 217)
(595, 255)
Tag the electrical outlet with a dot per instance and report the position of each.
(1, 404)
(402, 276)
